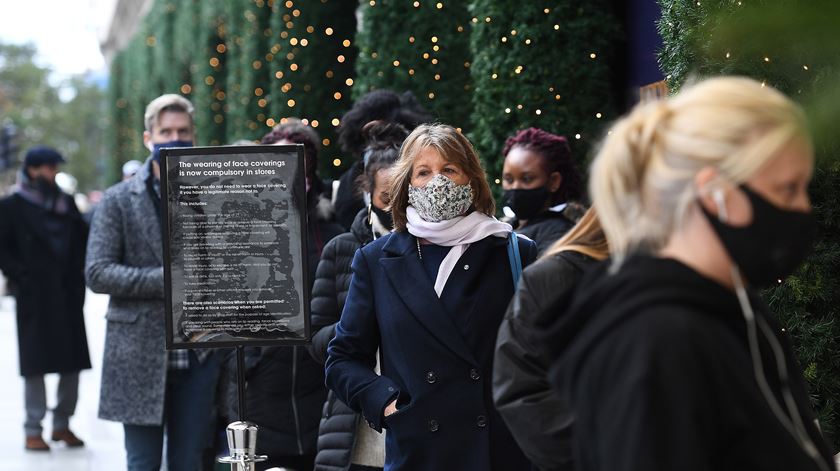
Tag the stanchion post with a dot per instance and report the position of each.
(242, 435)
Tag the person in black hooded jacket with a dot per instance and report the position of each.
(668, 356)
(338, 444)
(539, 419)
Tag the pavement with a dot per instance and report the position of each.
(103, 440)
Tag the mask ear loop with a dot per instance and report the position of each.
(794, 425)
(717, 196)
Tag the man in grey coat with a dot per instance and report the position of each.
(154, 393)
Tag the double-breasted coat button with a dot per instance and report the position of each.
(466, 267)
(433, 425)
(431, 377)
(481, 421)
(474, 375)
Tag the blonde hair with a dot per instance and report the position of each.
(642, 180)
(168, 102)
(586, 237)
(454, 148)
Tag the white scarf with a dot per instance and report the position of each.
(458, 233)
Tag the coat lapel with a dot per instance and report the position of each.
(142, 205)
(409, 279)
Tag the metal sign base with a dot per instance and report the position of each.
(242, 441)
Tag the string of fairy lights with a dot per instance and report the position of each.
(288, 51)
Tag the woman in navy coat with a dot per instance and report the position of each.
(430, 297)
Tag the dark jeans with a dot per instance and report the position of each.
(187, 421)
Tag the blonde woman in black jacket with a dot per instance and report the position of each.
(538, 418)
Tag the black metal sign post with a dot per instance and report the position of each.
(234, 222)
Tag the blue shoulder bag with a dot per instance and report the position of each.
(515, 259)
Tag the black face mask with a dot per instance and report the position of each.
(384, 217)
(527, 203)
(772, 245)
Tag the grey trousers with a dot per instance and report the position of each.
(35, 400)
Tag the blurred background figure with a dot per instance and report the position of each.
(378, 105)
(539, 179)
(345, 441)
(42, 252)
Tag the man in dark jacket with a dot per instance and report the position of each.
(42, 252)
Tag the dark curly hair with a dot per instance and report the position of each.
(379, 105)
(383, 141)
(556, 156)
(294, 130)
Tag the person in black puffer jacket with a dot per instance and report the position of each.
(340, 447)
(540, 421)
(539, 179)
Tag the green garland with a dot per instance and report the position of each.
(313, 59)
(542, 66)
(230, 59)
(422, 47)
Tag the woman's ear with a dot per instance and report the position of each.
(555, 180)
(710, 193)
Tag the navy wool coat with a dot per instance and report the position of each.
(437, 354)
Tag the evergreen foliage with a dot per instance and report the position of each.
(790, 49)
(542, 66)
(314, 62)
(422, 47)
(234, 60)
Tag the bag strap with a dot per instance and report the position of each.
(515, 259)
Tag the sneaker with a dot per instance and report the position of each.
(36, 443)
(67, 437)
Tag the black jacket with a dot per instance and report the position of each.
(321, 227)
(337, 431)
(348, 201)
(332, 281)
(656, 364)
(284, 395)
(538, 418)
(546, 228)
(49, 285)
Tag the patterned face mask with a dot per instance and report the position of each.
(440, 199)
